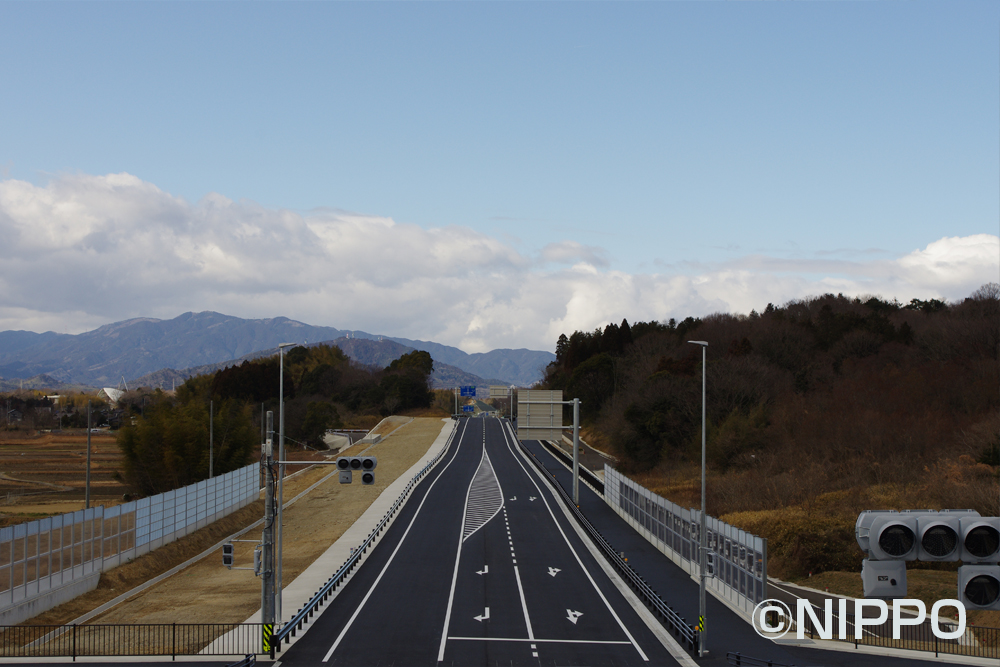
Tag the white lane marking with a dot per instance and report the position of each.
(485, 499)
(394, 552)
(485, 570)
(524, 605)
(573, 616)
(532, 498)
(484, 617)
(514, 498)
(553, 571)
(593, 583)
(541, 641)
(458, 557)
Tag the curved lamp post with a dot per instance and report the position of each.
(703, 531)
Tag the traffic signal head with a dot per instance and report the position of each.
(939, 534)
(363, 464)
(979, 586)
(227, 554)
(887, 534)
(980, 539)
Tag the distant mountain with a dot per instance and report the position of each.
(521, 367)
(138, 347)
(135, 347)
(377, 353)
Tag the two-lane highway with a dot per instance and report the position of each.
(482, 567)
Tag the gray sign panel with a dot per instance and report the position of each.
(499, 391)
(539, 414)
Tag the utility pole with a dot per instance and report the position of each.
(267, 539)
(87, 501)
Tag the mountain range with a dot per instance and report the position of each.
(153, 352)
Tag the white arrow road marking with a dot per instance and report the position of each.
(514, 498)
(532, 498)
(486, 616)
(553, 571)
(485, 570)
(572, 616)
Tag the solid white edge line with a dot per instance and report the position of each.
(458, 558)
(593, 583)
(357, 611)
(524, 604)
(676, 651)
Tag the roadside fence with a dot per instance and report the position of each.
(51, 560)
(978, 641)
(740, 557)
(156, 639)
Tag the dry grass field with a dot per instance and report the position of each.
(45, 474)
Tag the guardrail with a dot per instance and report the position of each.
(147, 639)
(586, 475)
(674, 621)
(303, 615)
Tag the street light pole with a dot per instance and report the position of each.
(703, 531)
(576, 452)
(281, 479)
(87, 503)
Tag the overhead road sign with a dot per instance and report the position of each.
(468, 391)
(539, 414)
(499, 391)
(468, 408)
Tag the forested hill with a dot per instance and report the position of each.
(823, 394)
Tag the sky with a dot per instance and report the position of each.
(491, 174)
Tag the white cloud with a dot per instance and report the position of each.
(85, 250)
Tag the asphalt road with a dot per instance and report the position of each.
(481, 568)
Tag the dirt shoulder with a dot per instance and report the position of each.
(207, 592)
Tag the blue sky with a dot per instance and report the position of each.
(639, 160)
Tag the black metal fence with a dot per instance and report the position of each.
(150, 639)
(976, 641)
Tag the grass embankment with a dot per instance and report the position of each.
(206, 592)
(812, 543)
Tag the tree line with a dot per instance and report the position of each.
(166, 443)
(820, 400)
